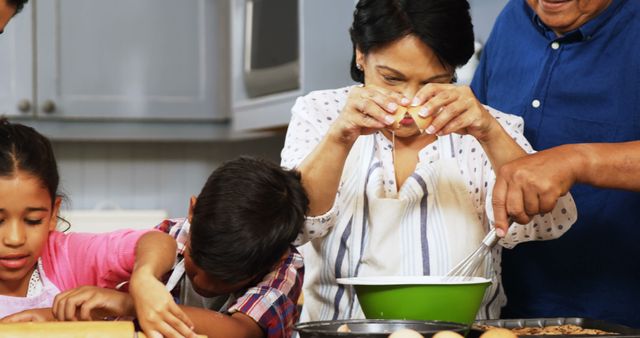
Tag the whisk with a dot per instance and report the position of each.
(467, 267)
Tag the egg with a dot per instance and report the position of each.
(447, 334)
(405, 333)
(498, 333)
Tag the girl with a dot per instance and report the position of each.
(36, 261)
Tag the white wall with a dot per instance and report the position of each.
(484, 13)
(147, 175)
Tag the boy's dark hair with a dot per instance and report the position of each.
(245, 218)
(23, 148)
(443, 25)
(18, 4)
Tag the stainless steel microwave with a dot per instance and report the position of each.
(283, 49)
(271, 57)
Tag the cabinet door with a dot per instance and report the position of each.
(123, 59)
(16, 64)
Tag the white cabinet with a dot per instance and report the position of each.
(16, 66)
(117, 59)
(158, 69)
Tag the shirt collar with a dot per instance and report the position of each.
(584, 32)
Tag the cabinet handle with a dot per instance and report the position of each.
(48, 106)
(24, 106)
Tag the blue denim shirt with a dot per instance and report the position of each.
(581, 87)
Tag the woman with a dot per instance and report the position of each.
(393, 200)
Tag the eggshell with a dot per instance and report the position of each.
(421, 122)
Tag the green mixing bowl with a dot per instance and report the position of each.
(419, 297)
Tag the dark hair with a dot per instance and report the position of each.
(245, 218)
(18, 4)
(443, 25)
(22, 148)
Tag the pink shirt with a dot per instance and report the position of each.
(77, 259)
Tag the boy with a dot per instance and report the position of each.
(235, 250)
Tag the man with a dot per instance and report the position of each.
(8, 9)
(571, 69)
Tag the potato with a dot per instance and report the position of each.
(498, 333)
(405, 333)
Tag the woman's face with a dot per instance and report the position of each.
(563, 16)
(26, 217)
(403, 66)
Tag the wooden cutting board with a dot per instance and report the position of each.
(97, 329)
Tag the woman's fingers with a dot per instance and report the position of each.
(428, 91)
(453, 117)
(391, 96)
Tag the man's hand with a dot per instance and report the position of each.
(32, 315)
(532, 184)
(91, 303)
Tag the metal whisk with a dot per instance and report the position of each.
(467, 267)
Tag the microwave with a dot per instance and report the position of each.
(283, 49)
(271, 47)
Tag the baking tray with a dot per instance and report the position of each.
(620, 331)
(373, 328)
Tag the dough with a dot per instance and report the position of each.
(405, 333)
(447, 334)
(343, 328)
(498, 333)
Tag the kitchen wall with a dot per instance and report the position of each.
(483, 13)
(147, 175)
(163, 175)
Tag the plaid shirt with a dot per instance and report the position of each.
(272, 302)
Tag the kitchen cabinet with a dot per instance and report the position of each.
(157, 69)
(144, 65)
(16, 66)
(129, 59)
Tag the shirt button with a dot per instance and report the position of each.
(535, 103)
(555, 45)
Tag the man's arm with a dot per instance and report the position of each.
(532, 184)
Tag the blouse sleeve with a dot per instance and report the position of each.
(542, 227)
(311, 118)
(476, 167)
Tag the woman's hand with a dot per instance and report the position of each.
(367, 110)
(456, 110)
(32, 315)
(156, 310)
(91, 303)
